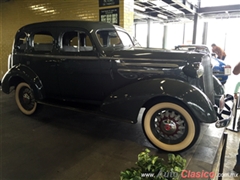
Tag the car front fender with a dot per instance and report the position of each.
(128, 101)
(23, 73)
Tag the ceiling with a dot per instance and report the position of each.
(167, 11)
(164, 11)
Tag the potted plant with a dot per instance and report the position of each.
(151, 167)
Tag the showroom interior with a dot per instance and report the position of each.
(61, 143)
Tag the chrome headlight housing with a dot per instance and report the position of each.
(194, 70)
(200, 70)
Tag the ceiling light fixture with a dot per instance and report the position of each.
(139, 8)
(143, 0)
(162, 16)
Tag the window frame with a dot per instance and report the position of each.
(78, 31)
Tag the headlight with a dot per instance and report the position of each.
(200, 71)
(195, 70)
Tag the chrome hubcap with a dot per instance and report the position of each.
(170, 124)
(26, 98)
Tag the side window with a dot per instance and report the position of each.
(21, 42)
(76, 41)
(43, 41)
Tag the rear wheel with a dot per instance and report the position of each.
(170, 126)
(25, 99)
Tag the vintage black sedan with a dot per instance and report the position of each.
(96, 65)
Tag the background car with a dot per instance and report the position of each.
(220, 69)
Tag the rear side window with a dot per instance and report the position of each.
(43, 42)
(21, 42)
(76, 41)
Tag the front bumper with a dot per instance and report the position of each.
(225, 115)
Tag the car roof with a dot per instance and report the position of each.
(88, 25)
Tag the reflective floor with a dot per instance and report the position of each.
(63, 144)
(233, 137)
(231, 152)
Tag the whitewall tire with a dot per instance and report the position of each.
(25, 99)
(170, 127)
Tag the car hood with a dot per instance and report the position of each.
(155, 54)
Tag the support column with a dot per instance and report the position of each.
(164, 43)
(148, 32)
(195, 28)
(205, 30)
(184, 27)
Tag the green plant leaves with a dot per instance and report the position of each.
(154, 160)
(150, 167)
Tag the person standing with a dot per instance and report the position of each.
(236, 71)
(220, 53)
(237, 165)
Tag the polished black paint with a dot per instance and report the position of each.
(20, 73)
(126, 101)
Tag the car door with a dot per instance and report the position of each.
(79, 67)
(40, 57)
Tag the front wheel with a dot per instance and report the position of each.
(25, 99)
(170, 126)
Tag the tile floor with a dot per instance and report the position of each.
(233, 137)
(231, 152)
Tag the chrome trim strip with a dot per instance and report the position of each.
(140, 71)
(119, 59)
(140, 114)
(163, 65)
(147, 59)
(60, 56)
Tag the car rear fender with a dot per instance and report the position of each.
(129, 101)
(19, 73)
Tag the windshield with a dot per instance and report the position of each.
(193, 48)
(113, 38)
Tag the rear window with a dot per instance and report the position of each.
(43, 42)
(21, 42)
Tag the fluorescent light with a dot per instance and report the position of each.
(162, 16)
(159, 3)
(139, 8)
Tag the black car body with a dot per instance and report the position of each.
(96, 65)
